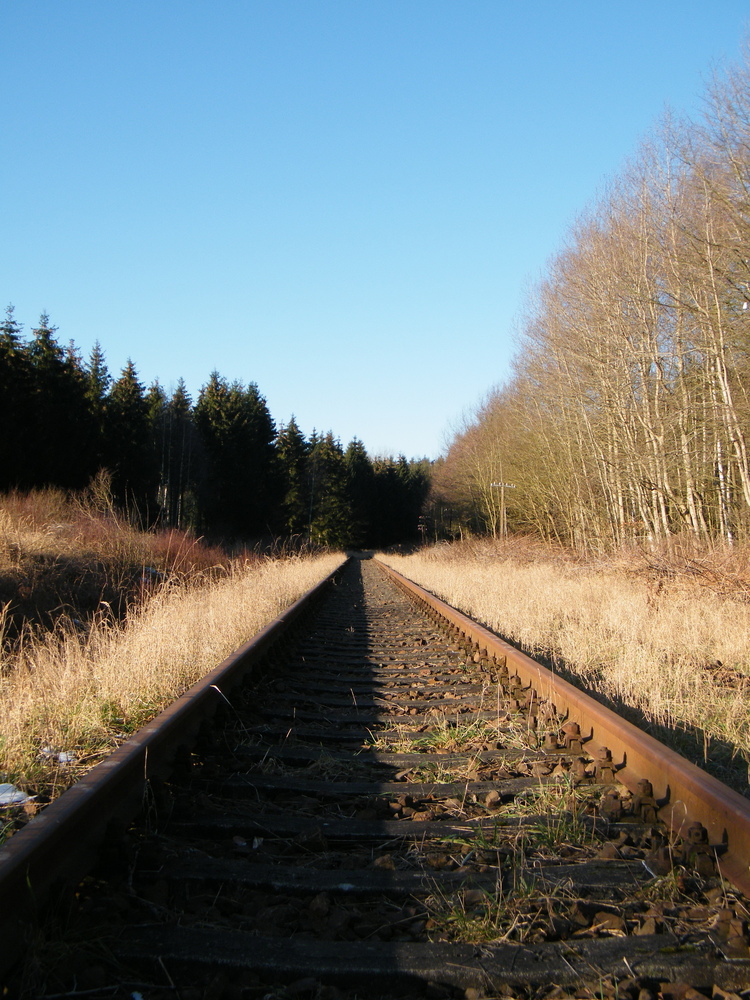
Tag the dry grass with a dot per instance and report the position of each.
(668, 635)
(103, 625)
(80, 692)
(51, 522)
(73, 554)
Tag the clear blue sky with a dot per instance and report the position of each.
(344, 201)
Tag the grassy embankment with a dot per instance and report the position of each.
(664, 638)
(104, 625)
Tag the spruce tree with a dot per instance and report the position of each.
(98, 382)
(239, 491)
(183, 454)
(293, 451)
(263, 462)
(134, 475)
(156, 407)
(213, 423)
(60, 422)
(173, 441)
(81, 420)
(330, 522)
(16, 414)
(361, 487)
(401, 489)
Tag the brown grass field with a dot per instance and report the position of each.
(664, 637)
(104, 625)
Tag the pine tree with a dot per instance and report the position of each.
(16, 414)
(239, 491)
(156, 407)
(82, 425)
(400, 490)
(60, 419)
(293, 451)
(330, 521)
(361, 483)
(181, 500)
(263, 463)
(130, 447)
(174, 442)
(98, 382)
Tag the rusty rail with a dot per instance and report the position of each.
(684, 793)
(60, 844)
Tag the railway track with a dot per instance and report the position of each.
(391, 804)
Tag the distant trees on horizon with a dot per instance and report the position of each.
(218, 466)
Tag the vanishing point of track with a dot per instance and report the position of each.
(375, 800)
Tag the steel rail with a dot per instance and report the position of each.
(59, 845)
(685, 793)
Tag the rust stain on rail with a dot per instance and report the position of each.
(60, 844)
(688, 794)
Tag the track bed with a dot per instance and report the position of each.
(377, 816)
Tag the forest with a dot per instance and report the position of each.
(626, 418)
(218, 466)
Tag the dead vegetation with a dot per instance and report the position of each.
(132, 619)
(663, 635)
(76, 556)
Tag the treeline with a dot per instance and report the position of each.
(627, 415)
(218, 466)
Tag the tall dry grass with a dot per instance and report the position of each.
(76, 553)
(78, 693)
(102, 625)
(57, 523)
(668, 636)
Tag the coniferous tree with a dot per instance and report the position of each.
(384, 531)
(98, 382)
(361, 488)
(414, 478)
(10, 331)
(239, 490)
(400, 490)
(330, 504)
(15, 411)
(156, 402)
(156, 405)
(82, 423)
(263, 463)
(182, 452)
(131, 456)
(213, 425)
(293, 451)
(60, 422)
